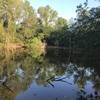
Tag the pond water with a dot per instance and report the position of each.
(56, 75)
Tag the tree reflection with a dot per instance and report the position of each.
(21, 68)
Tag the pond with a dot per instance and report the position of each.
(56, 75)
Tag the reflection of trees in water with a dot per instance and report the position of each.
(21, 68)
(85, 57)
(82, 75)
(46, 70)
(89, 59)
(8, 64)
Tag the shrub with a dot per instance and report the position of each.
(36, 47)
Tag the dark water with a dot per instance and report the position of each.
(57, 75)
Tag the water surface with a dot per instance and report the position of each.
(56, 75)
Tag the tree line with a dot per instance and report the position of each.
(81, 32)
(21, 23)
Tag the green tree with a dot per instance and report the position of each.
(87, 27)
(47, 18)
(47, 15)
(61, 22)
(26, 28)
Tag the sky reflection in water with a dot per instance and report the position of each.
(52, 77)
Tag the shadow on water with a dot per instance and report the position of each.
(57, 75)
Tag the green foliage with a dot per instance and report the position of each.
(61, 22)
(19, 22)
(36, 47)
(83, 32)
(87, 27)
(47, 15)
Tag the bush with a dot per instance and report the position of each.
(36, 47)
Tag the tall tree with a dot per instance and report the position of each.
(61, 22)
(47, 15)
(27, 26)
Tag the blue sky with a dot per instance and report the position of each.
(65, 8)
